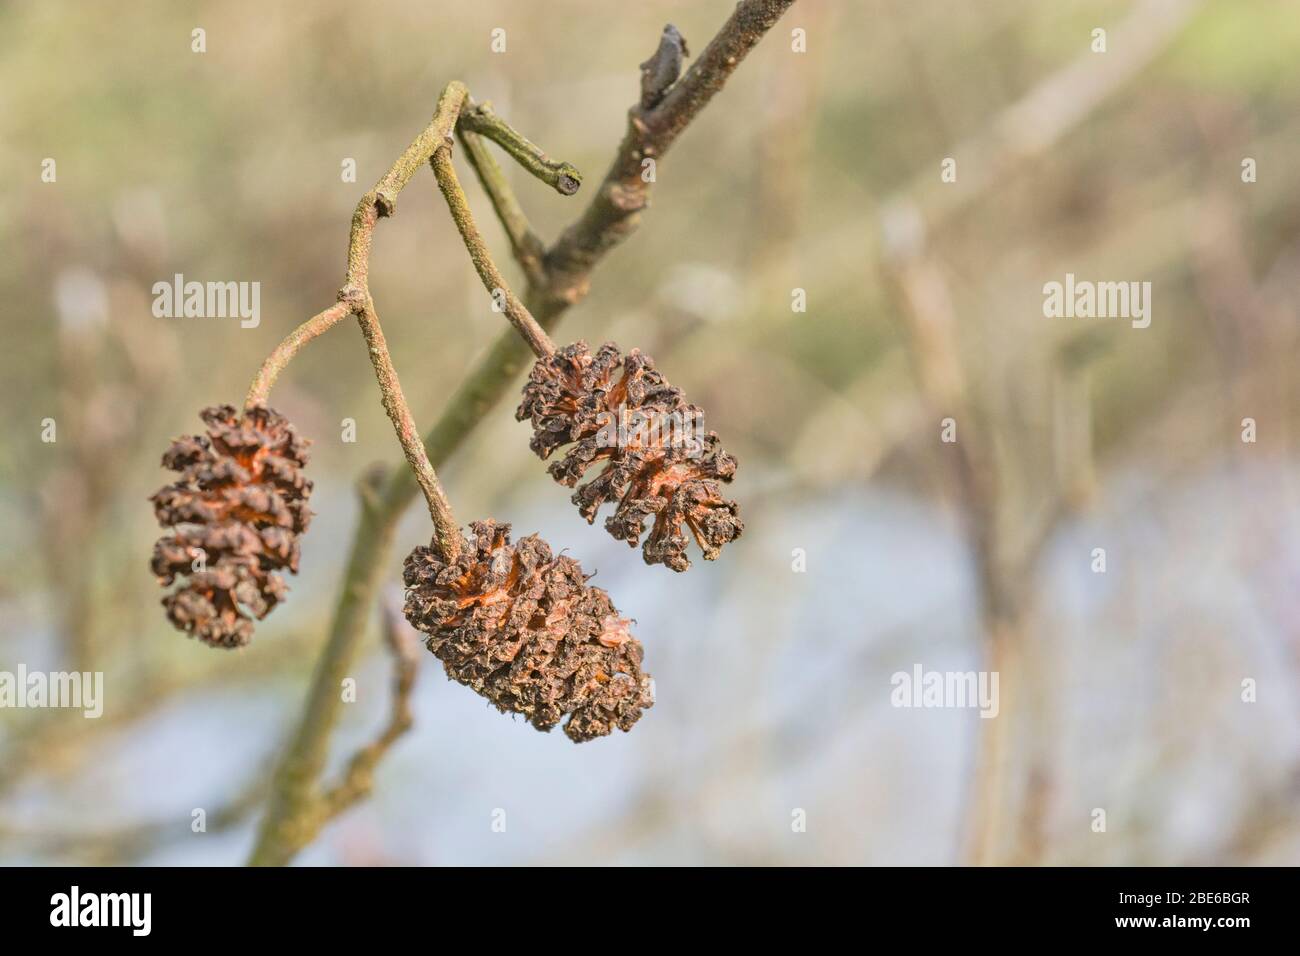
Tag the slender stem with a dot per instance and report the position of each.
(495, 282)
(287, 349)
(562, 177)
(381, 201)
(444, 522)
(525, 244)
(358, 780)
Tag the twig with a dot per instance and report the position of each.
(562, 177)
(354, 298)
(526, 246)
(283, 353)
(495, 282)
(403, 645)
(379, 202)
(568, 266)
(399, 413)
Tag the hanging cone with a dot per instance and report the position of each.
(523, 628)
(620, 415)
(235, 515)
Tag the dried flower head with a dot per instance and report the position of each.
(523, 628)
(657, 461)
(236, 512)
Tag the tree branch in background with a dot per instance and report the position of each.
(1057, 105)
(611, 216)
(404, 646)
(920, 289)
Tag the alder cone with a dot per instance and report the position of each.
(235, 513)
(621, 415)
(523, 628)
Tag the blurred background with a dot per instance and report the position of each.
(871, 545)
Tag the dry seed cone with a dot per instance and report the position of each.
(235, 515)
(523, 628)
(655, 462)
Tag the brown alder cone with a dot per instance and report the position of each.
(523, 628)
(659, 464)
(240, 504)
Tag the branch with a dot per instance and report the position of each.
(568, 263)
(404, 646)
(293, 815)
(562, 177)
(615, 210)
(399, 413)
(495, 282)
(380, 202)
(354, 298)
(283, 353)
(525, 244)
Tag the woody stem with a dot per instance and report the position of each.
(446, 530)
(287, 349)
(495, 282)
(379, 202)
(564, 178)
(526, 246)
